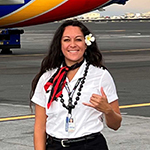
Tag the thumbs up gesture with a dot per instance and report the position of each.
(99, 102)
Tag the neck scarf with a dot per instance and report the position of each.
(58, 81)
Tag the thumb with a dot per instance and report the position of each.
(102, 92)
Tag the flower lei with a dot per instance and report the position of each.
(89, 39)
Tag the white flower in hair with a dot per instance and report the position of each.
(89, 39)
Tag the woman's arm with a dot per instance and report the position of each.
(112, 116)
(111, 111)
(40, 128)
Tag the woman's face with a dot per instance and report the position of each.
(73, 45)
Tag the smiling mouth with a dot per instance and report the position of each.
(73, 51)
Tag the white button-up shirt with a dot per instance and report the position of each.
(87, 120)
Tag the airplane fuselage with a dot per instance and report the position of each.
(33, 12)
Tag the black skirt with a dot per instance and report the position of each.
(94, 141)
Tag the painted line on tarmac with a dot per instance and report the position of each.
(104, 51)
(134, 105)
(17, 118)
(126, 50)
(33, 116)
(22, 55)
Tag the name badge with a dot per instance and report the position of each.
(70, 124)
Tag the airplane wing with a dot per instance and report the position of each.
(11, 2)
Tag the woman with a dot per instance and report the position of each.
(72, 92)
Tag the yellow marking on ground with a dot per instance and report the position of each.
(17, 118)
(115, 30)
(33, 116)
(135, 105)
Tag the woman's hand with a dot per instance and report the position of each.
(99, 102)
(110, 110)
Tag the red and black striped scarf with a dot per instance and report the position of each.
(58, 81)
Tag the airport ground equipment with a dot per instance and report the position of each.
(10, 38)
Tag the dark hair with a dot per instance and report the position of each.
(55, 57)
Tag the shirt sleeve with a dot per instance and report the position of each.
(39, 96)
(109, 87)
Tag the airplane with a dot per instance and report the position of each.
(20, 13)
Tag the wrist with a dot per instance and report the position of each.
(108, 111)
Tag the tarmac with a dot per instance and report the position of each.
(18, 134)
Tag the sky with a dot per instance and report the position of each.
(131, 6)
